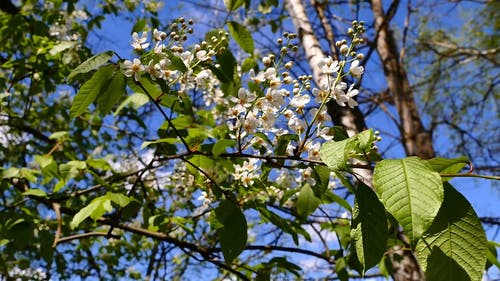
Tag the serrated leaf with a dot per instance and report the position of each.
(90, 90)
(454, 247)
(221, 145)
(242, 36)
(307, 202)
(411, 191)
(369, 227)
(233, 234)
(91, 64)
(112, 93)
(333, 154)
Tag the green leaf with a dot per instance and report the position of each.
(64, 45)
(242, 36)
(307, 202)
(165, 140)
(369, 227)
(221, 145)
(333, 154)
(233, 234)
(448, 166)
(232, 5)
(90, 90)
(59, 135)
(411, 191)
(112, 93)
(100, 164)
(91, 64)
(140, 25)
(11, 172)
(95, 210)
(137, 100)
(119, 199)
(35, 192)
(248, 64)
(454, 247)
(491, 255)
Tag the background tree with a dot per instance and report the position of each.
(131, 197)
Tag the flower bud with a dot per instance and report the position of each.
(344, 49)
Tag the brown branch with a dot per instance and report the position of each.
(57, 210)
(81, 236)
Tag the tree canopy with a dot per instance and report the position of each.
(257, 140)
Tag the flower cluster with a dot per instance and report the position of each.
(277, 114)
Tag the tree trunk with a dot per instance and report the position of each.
(416, 140)
(351, 119)
(403, 262)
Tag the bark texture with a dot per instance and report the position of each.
(416, 140)
(351, 119)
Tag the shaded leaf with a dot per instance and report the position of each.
(448, 166)
(233, 234)
(369, 227)
(307, 202)
(112, 93)
(90, 90)
(454, 247)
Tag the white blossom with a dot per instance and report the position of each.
(133, 68)
(328, 65)
(139, 43)
(356, 70)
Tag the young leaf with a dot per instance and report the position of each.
(90, 90)
(448, 166)
(411, 191)
(454, 247)
(369, 227)
(242, 36)
(95, 209)
(307, 202)
(233, 234)
(91, 64)
(334, 155)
